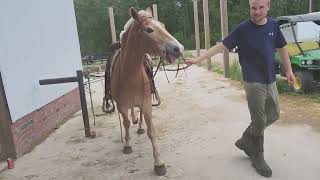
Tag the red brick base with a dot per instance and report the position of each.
(33, 128)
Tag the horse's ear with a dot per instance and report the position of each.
(134, 13)
(148, 10)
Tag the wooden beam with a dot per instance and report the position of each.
(79, 79)
(112, 25)
(206, 30)
(196, 26)
(224, 33)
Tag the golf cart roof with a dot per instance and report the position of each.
(315, 17)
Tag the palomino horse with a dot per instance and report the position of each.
(130, 86)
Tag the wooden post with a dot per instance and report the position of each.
(79, 79)
(206, 30)
(155, 16)
(196, 26)
(112, 25)
(83, 102)
(310, 6)
(7, 147)
(224, 33)
(155, 11)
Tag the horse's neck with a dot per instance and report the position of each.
(132, 56)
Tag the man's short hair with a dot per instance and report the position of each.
(252, 0)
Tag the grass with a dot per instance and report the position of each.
(235, 71)
(284, 88)
(218, 69)
(187, 54)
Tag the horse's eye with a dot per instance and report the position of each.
(149, 30)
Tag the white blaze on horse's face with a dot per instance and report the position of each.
(169, 47)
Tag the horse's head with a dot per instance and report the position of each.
(158, 41)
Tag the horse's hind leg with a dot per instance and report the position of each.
(159, 167)
(126, 123)
(133, 117)
(140, 129)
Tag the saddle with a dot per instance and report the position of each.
(116, 48)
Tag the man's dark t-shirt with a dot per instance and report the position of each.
(256, 48)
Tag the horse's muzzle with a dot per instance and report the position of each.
(172, 52)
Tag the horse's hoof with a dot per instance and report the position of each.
(160, 170)
(127, 150)
(140, 131)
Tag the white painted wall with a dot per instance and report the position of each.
(38, 40)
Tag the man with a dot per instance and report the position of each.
(257, 39)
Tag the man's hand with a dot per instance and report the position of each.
(190, 61)
(290, 77)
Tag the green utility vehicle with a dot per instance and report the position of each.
(302, 33)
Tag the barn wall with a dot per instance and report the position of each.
(38, 40)
(33, 128)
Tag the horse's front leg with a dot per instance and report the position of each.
(133, 116)
(159, 167)
(126, 123)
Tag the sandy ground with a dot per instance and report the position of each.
(200, 118)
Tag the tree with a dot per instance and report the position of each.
(177, 15)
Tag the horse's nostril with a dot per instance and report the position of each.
(176, 49)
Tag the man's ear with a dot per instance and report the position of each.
(148, 10)
(134, 13)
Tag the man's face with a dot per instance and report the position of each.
(259, 10)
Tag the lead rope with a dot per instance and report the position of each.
(143, 93)
(165, 72)
(118, 109)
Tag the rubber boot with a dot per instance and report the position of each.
(245, 143)
(257, 158)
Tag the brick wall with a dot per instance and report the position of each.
(33, 128)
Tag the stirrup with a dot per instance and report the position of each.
(108, 105)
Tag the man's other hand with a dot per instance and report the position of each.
(290, 78)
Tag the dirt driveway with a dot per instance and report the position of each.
(200, 118)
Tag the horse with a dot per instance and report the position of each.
(108, 105)
(130, 84)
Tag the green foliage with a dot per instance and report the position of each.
(177, 15)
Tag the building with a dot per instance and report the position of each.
(38, 40)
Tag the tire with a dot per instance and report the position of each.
(304, 82)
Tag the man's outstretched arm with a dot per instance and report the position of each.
(209, 53)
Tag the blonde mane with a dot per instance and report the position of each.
(129, 22)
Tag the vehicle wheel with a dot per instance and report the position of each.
(304, 81)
